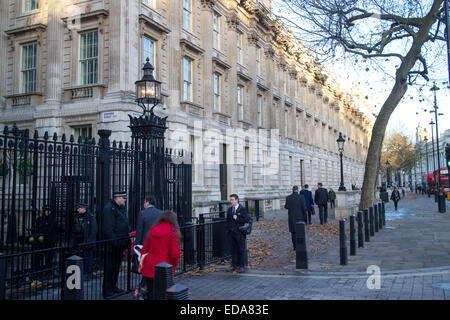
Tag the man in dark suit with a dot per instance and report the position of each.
(237, 215)
(321, 199)
(295, 203)
(309, 202)
(146, 219)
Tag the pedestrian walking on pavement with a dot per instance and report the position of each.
(85, 231)
(332, 197)
(321, 199)
(309, 202)
(161, 245)
(295, 203)
(395, 196)
(237, 216)
(146, 219)
(115, 226)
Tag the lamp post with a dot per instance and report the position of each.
(387, 174)
(403, 178)
(340, 141)
(434, 158)
(434, 89)
(428, 167)
(148, 89)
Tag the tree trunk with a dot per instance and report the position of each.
(397, 93)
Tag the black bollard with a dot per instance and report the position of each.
(188, 232)
(352, 236)
(384, 213)
(376, 219)
(342, 243)
(301, 246)
(177, 292)
(3, 271)
(73, 279)
(366, 225)
(380, 216)
(360, 230)
(371, 220)
(162, 281)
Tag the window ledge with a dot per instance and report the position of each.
(192, 108)
(24, 99)
(95, 90)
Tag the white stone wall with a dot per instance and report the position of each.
(317, 110)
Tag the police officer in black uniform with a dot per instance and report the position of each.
(85, 231)
(115, 226)
(45, 234)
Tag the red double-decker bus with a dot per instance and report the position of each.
(443, 179)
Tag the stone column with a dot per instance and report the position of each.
(55, 38)
(206, 23)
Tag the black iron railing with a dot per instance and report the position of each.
(41, 274)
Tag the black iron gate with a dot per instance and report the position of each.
(51, 171)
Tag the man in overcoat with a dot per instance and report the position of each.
(295, 203)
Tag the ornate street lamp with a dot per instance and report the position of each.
(340, 141)
(148, 90)
(387, 173)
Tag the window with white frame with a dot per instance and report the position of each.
(291, 169)
(148, 50)
(89, 57)
(240, 102)
(286, 118)
(258, 61)
(259, 111)
(187, 14)
(216, 31)
(265, 168)
(217, 92)
(83, 132)
(247, 172)
(30, 5)
(29, 68)
(286, 79)
(187, 79)
(240, 47)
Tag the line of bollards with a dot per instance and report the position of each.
(370, 220)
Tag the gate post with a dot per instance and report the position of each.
(103, 175)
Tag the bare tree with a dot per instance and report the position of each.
(377, 30)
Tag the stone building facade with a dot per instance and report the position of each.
(254, 108)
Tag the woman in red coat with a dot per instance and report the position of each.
(161, 245)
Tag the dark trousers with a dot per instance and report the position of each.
(395, 204)
(148, 282)
(332, 205)
(88, 255)
(112, 268)
(309, 219)
(237, 250)
(323, 213)
(294, 236)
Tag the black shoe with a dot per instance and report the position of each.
(117, 290)
(108, 295)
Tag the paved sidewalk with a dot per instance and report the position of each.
(412, 252)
